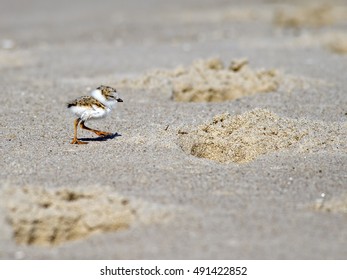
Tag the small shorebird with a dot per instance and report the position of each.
(93, 107)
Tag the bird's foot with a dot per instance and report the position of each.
(103, 133)
(76, 141)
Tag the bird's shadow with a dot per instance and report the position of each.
(101, 138)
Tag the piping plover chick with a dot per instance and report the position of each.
(96, 106)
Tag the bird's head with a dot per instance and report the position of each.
(109, 93)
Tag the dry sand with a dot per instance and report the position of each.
(313, 15)
(50, 217)
(230, 143)
(209, 81)
(243, 138)
(338, 44)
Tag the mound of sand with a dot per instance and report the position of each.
(334, 41)
(209, 81)
(309, 16)
(337, 44)
(49, 217)
(229, 14)
(243, 138)
(14, 59)
(336, 205)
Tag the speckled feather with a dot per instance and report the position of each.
(86, 101)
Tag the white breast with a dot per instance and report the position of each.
(77, 110)
(86, 113)
(94, 113)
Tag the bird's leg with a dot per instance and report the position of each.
(75, 140)
(98, 132)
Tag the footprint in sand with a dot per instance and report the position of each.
(40, 216)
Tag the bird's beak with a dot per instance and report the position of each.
(119, 100)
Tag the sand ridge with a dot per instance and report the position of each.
(314, 15)
(337, 43)
(10, 59)
(40, 216)
(333, 205)
(333, 41)
(208, 80)
(330, 204)
(245, 137)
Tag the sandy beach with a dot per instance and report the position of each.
(231, 142)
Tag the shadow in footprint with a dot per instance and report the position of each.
(101, 138)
